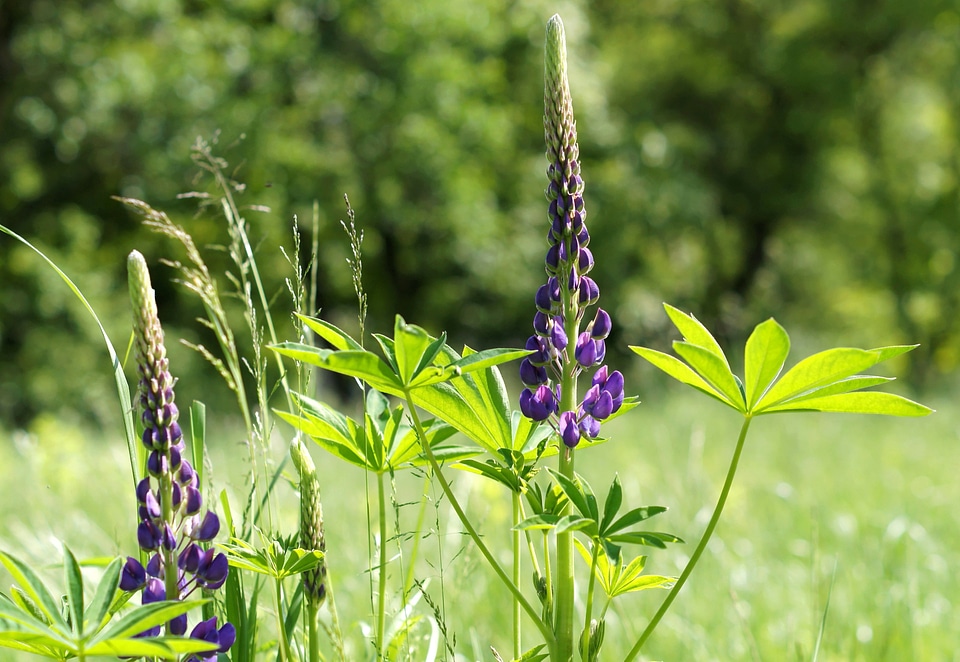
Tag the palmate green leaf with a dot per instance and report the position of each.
(326, 437)
(764, 356)
(714, 369)
(150, 647)
(818, 370)
(15, 619)
(577, 523)
(861, 402)
(617, 578)
(23, 601)
(298, 560)
(681, 372)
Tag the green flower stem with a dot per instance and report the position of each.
(548, 576)
(585, 655)
(313, 632)
(281, 631)
(171, 576)
(566, 582)
(382, 573)
(701, 546)
(337, 636)
(517, 640)
(471, 531)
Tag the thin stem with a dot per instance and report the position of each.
(701, 546)
(547, 576)
(585, 655)
(472, 532)
(281, 631)
(517, 639)
(411, 566)
(313, 631)
(382, 571)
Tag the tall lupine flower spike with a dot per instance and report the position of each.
(561, 351)
(311, 522)
(172, 524)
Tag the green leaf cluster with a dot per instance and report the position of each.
(32, 621)
(826, 381)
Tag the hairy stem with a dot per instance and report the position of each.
(516, 534)
(701, 546)
(585, 655)
(382, 569)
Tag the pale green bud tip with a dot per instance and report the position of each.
(141, 290)
(555, 52)
(301, 458)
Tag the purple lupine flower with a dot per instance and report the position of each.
(562, 302)
(168, 498)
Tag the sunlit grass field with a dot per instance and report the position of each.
(861, 511)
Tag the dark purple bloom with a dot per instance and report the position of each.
(170, 506)
(538, 405)
(532, 375)
(133, 576)
(207, 631)
(590, 427)
(568, 429)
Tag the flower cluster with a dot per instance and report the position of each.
(569, 291)
(172, 520)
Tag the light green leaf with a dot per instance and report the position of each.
(34, 588)
(538, 522)
(611, 505)
(634, 516)
(694, 332)
(855, 383)
(818, 370)
(73, 580)
(102, 597)
(887, 353)
(714, 369)
(339, 339)
(766, 350)
(860, 402)
(681, 372)
(143, 618)
(354, 363)
(410, 342)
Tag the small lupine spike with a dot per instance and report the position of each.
(311, 522)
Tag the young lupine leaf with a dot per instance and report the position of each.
(694, 332)
(846, 385)
(23, 601)
(634, 516)
(577, 523)
(651, 538)
(339, 339)
(861, 402)
(73, 581)
(34, 588)
(99, 606)
(490, 469)
(575, 492)
(615, 578)
(681, 372)
(818, 370)
(714, 369)
(27, 621)
(143, 618)
(541, 521)
(766, 351)
(410, 343)
(887, 353)
(355, 363)
(612, 504)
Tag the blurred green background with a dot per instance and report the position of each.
(742, 159)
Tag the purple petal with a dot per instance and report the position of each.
(148, 535)
(190, 558)
(228, 635)
(590, 427)
(532, 375)
(179, 624)
(152, 505)
(586, 352)
(604, 406)
(568, 429)
(208, 528)
(601, 325)
(557, 334)
(585, 263)
(132, 577)
(153, 591)
(193, 502)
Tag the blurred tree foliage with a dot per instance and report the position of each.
(741, 158)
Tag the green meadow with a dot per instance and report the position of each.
(839, 527)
